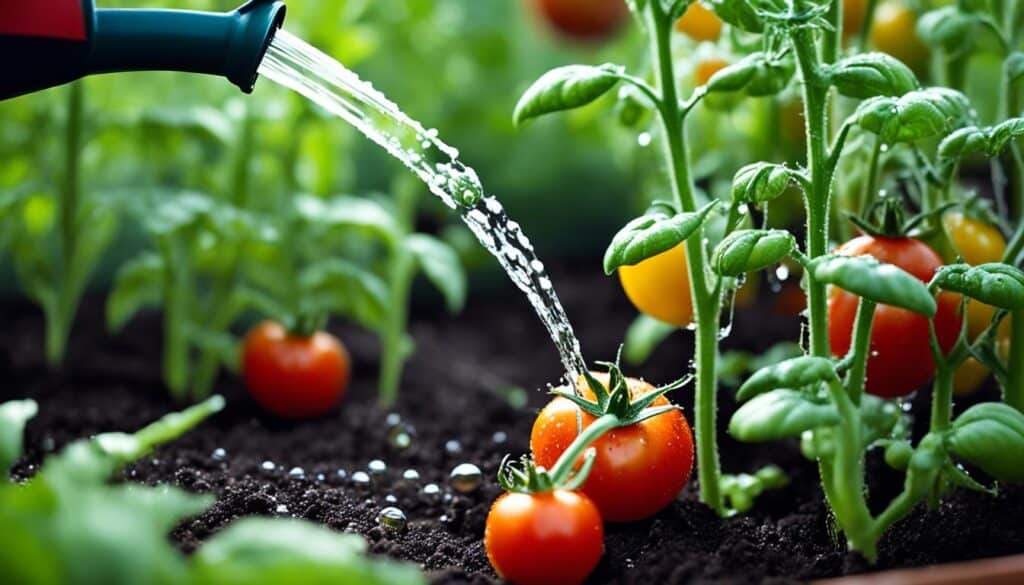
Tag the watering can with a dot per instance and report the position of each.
(52, 42)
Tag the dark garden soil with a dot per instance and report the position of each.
(456, 402)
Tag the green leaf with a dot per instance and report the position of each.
(755, 75)
(348, 213)
(442, 267)
(565, 88)
(139, 283)
(751, 250)
(866, 277)
(925, 113)
(13, 417)
(260, 551)
(872, 74)
(994, 284)
(651, 234)
(760, 182)
(779, 414)
(795, 373)
(644, 335)
(340, 287)
(964, 142)
(991, 436)
(1001, 134)
(1014, 64)
(738, 13)
(949, 29)
(177, 211)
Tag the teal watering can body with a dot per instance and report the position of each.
(52, 42)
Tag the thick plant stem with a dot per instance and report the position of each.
(706, 303)
(59, 318)
(848, 476)
(401, 273)
(942, 397)
(818, 199)
(861, 349)
(219, 316)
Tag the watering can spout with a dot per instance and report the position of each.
(63, 40)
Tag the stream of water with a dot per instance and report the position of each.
(295, 64)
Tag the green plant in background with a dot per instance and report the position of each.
(68, 524)
(57, 239)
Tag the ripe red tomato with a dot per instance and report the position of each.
(587, 20)
(293, 376)
(548, 538)
(901, 360)
(639, 469)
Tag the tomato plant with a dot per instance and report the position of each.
(298, 374)
(588, 20)
(639, 469)
(900, 358)
(552, 537)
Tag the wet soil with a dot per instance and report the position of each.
(461, 401)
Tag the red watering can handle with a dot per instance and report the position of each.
(55, 19)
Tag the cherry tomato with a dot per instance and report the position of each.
(293, 376)
(699, 23)
(638, 470)
(587, 20)
(901, 360)
(660, 286)
(970, 375)
(894, 31)
(977, 242)
(549, 538)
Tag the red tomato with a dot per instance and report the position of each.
(901, 358)
(639, 469)
(588, 20)
(549, 538)
(292, 376)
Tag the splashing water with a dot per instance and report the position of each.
(295, 64)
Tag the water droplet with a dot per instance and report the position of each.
(644, 139)
(392, 419)
(377, 467)
(399, 437)
(219, 454)
(281, 509)
(499, 437)
(431, 489)
(321, 477)
(465, 478)
(410, 475)
(360, 478)
(268, 466)
(782, 272)
(341, 474)
(392, 520)
(297, 473)
(453, 447)
(391, 499)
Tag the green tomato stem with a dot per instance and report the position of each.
(942, 397)
(567, 460)
(871, 186)
(177, 285)
(850, 504)
(832, 43)
(818, 199)
(860, 350)
(706, 302)
(401, 274)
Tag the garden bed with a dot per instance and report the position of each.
(455, 398)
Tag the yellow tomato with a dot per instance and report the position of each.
(971, 374)
(660, 286)
(894, 31)
(977, 242)
(699, 23)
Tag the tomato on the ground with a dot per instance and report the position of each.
(894, 31)
(294, 376)
(699, 23)
(638, 469)
(547, 538)
(660, 286)
(587, 20)
(901, 360)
